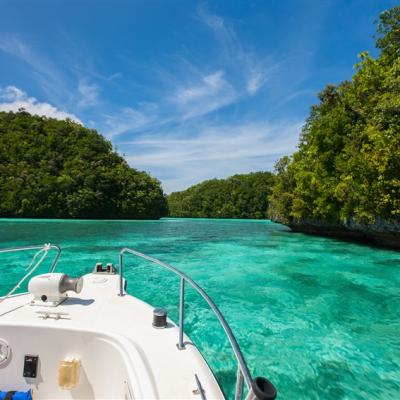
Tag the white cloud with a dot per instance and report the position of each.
(12, 99)
(210, 94)
(187, 101)
(255, 82)
(129, 119)
(17, 48)
(255, 70)
(258, 71)
(218, 25)
(115, 76)
(89, 93)
(216, 151)
(52, 81)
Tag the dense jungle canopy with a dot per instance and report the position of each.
(347, 167)
(240, 196)
(60, 169)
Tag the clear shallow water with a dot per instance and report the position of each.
(319, 317)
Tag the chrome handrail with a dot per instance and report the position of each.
(36, 247)
(243, 370)
(259, 384)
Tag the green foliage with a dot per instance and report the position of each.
(388, 38)
(59, 169)
(240, 196)
(348, 163)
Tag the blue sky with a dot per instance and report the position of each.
(185, 90)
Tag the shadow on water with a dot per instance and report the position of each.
(388, 262)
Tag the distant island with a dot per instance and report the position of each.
(240, 196)
(60, 169)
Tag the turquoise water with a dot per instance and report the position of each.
(319, 317)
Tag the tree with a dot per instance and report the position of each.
(240, 196)
(347, 167)
(59, 169)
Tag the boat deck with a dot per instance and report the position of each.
(153, 365)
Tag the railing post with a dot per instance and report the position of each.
(239, 385)
(53, 265)
(181, 346)
(121, 278)
(262, 386)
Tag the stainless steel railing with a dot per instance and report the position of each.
(37, 247)
(257, 388)
(42, 251)
(243, 372)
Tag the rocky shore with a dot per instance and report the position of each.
(381, 233)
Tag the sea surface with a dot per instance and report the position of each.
(319, 317)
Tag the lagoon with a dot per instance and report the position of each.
(319, 317)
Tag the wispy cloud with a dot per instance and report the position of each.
(12, 99)
(64, 84)
(255, 82)
(52, 81)
(219, 26)
(16, 47)
(129, 119)
(254, 69)
(215, 151)
(190, 98)
(210, 94)
(89, 93)
(180, 140)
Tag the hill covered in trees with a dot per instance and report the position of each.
(240, 196)
(345, 177)
(60, 169)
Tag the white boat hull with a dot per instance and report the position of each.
(121, 355)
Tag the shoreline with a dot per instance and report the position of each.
(375, 234)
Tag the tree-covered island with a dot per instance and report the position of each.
(240, 196)
(344, 180)
(60, 169)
